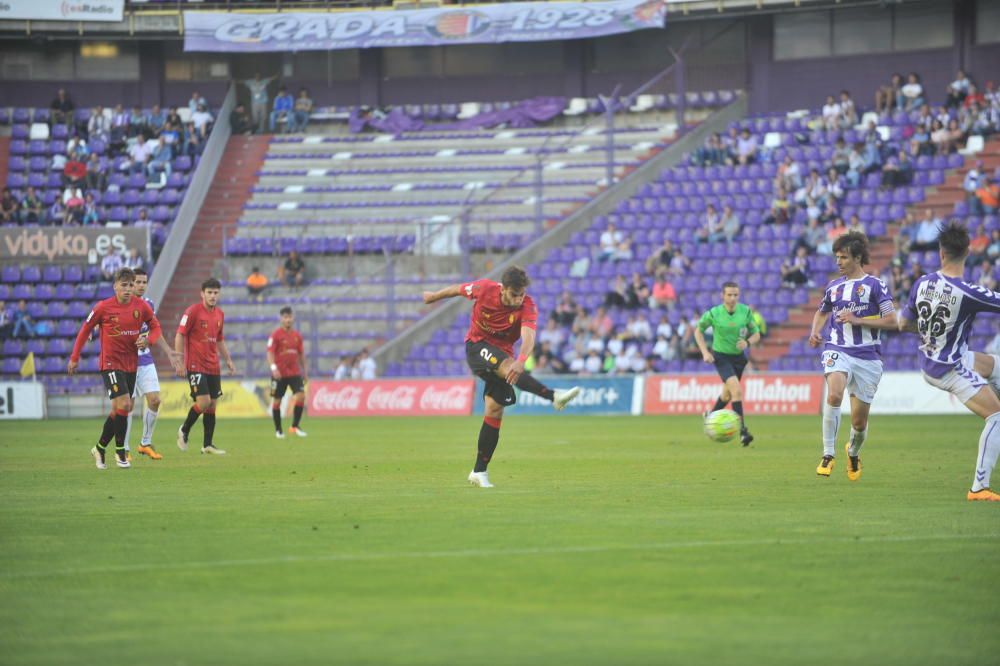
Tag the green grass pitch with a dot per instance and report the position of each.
(606, 541)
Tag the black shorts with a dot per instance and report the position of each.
(205, 384)
(279, 386)
(118, 383)
(484, 359)
(729, 365)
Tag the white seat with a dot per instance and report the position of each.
(577, 106)
(38, 132)
(643, 103)
(772, 140)
(974, 145)
(468, 110)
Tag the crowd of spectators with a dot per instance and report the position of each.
(358, 366)
(291, 113)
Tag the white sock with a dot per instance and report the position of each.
(989, 449)
(857, 441)
(128, 430)
(831, 425)
(148, 424)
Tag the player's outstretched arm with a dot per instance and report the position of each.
(906, 325)
(886, 322)
(447, 292)
(814, 337)
(225, 355)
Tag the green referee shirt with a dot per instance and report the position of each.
(728, 329)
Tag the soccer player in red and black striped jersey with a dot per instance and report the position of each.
(502, 314)
(200, 338)
(286, 356)
(121, 319)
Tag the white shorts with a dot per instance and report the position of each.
(863, 375)
(146, 381)
(963, 382)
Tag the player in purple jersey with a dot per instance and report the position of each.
(861, 306)
(941, 310)
(147, 383)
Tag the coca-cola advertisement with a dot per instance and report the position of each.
(399, 397)
(762, 393)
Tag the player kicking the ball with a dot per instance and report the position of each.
(200, 337)
(733, 331)
(502, 313)
(121, 319)
(287, 358)
(941, 310)
(852, 358)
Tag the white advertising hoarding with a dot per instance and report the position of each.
(62, 10)
(22, 400)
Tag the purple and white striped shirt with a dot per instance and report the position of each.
(944, 309)
(867, 297)
(146, 355)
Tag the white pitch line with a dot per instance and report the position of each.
(439, 554)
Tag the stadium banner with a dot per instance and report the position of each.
(391, 397)
(598, 395)
(239, 399)
(482, 24)
(908, 393)
(70, 244)
(62, 10)
(763, 393)
(22, 400)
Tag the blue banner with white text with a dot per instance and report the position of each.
(598, 395)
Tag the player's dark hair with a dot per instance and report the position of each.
(515, 278)
(285, 310)
(729, 285)
(140, 271)
(125, 275)
(211, 283)
(954, 240)
(855, 243)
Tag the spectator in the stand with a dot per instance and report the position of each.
(192, 141)
(912, 93)
(202, 121)
(711, 230)
(836, 185)
(582, 321)
(343, 369)
(32, 208)
(811, 237)
(841, 158)
(855, 164)
(610, 239)
(795, 272)
(300, 114)
(920, 142)
(97, 174)
(925, 238)
(988, 194)
(239, 121)
(77, 148)
(91, 213)
(552, 334)
(366, 364)
(174, 117)
(848, 112)
(872, 156)
(137, 122)
(983, 275)
(99, 125)
(746, 148)
(831, 114)
(6, 321)
(940, 138)
(664, 295)
(623, 252)
(601, 325)
(779, 213)
(74, 173)
(196, 100)
(638, 328)
(24, 325)
(282, 113)
(897, 171)
(56, 214)
(62, 107)
(712, 152)
(111, 264)
(789, 175)
(132, 259)
(142, 219)
(156, 119)
(159, 162)
(173, 134)
(9, 206)
(731, 223)
(856, 225)
(887, 96)
(970, 184)
(979, 243)
(293, 271)
(833, 232)
(680, 264)
(957, 90)
(659, 260)
(637, 293)
(615, 297)
(993, 251)
(259, 99)
(565, 310)
(256, 284)
(139, 155)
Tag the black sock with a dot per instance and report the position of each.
(738, 408)
(276, 415)
(528, 383)
(107, 433)
(489, 437)
(121, 426)
(192, 416)
(297, 416)
(209, 424)
(719, 404)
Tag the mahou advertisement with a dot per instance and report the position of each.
(762, 394)
(402, 397)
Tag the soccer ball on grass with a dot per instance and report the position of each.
(722, 425)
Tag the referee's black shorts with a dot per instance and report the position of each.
(484, 359)
(730, 365)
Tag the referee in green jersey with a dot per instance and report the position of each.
(733, 330)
